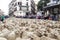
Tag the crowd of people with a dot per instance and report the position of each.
(47, 15)
(39, 15)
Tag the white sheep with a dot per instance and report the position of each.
(4, 32)
(18, 38)
(11, 36)
(1, 38)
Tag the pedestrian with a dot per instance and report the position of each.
(39, 15)
(2, 17)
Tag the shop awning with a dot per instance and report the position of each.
(51, 6)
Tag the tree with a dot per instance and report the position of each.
(41, 4)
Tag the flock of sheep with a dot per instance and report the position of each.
(29, 29)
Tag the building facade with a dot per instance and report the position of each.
(54, 8)
(21, 7)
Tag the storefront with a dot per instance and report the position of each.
(53, 10)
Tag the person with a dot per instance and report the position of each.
(39, 15)
(50, 17)
(55, 17)
(47, 14)
(2, 18)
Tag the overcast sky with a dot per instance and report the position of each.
(4, 5)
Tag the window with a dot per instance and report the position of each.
(27, 3)
(27, 6)
(15, 4)
(19, 3)
(15, 9)
(20, 8)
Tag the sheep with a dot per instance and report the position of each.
(18, 38)
(11, 36)
(2, 38)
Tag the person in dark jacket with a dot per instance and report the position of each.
(2, 18)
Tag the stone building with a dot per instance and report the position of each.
(21, 7)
